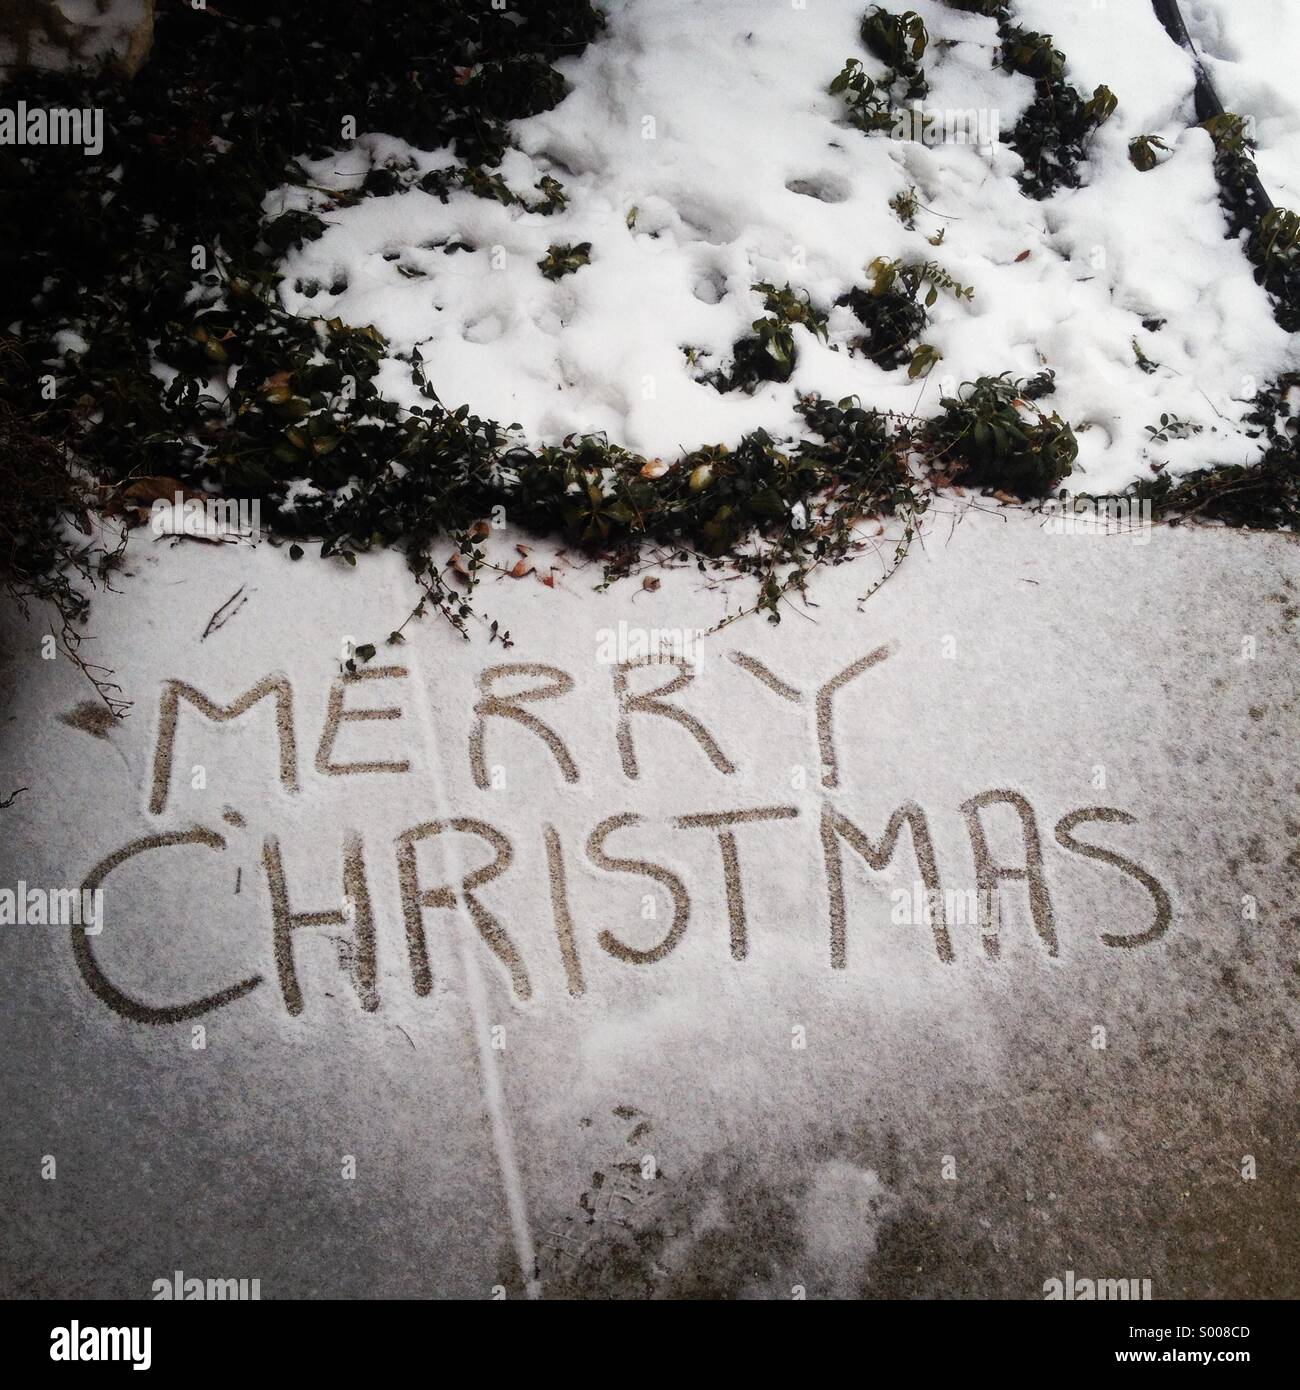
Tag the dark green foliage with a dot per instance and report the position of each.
(229, 103)
(1275, 249)
(1142, 152)
(1234, 167)
(769, 353)
(862, 456)
(899, 41)
(792, 306)
(225, 110)
(893, 313)
(47, 547)
(1052, 136)
(868, 104)
(564, 259)
(1274, 242)
(1265, 494)
(894, 322)
(41, 491)
(906, 205)
(1145, 364)
(113, 255)
(873, 104)
(1032, 54)
(601, 497)
(1172, 427)
(989, 435)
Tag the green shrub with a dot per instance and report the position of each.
(1032, 54)
(990, 435)
(905, 206)
(1274, 247)
(1053, 134)
(868, 104)
(893, 313)
(872, 104)
(898, 41)
(1142, 152)
(769, 353)
(48, 550)
(1274, 242)
(1264, 494)
(564, 260)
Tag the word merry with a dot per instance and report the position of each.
(509, 709)
(56, 126)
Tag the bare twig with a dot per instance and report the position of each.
(216, 622)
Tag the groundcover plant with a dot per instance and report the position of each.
(455, 454)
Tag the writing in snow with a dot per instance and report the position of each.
(512, 698)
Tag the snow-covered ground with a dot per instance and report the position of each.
(651, 1071)
(709, 129)
(409, 984)
(1249, 49)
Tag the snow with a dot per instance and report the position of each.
(796, 1115)
(1248, 48)
(812, 1101)
(751, 176)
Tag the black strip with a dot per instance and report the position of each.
(307, 1342)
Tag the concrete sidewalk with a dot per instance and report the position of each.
(934, 946)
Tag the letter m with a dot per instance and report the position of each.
(1116, 1289)
(169, 709)
(835, 827)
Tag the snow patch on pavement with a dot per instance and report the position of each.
(766, 1037)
